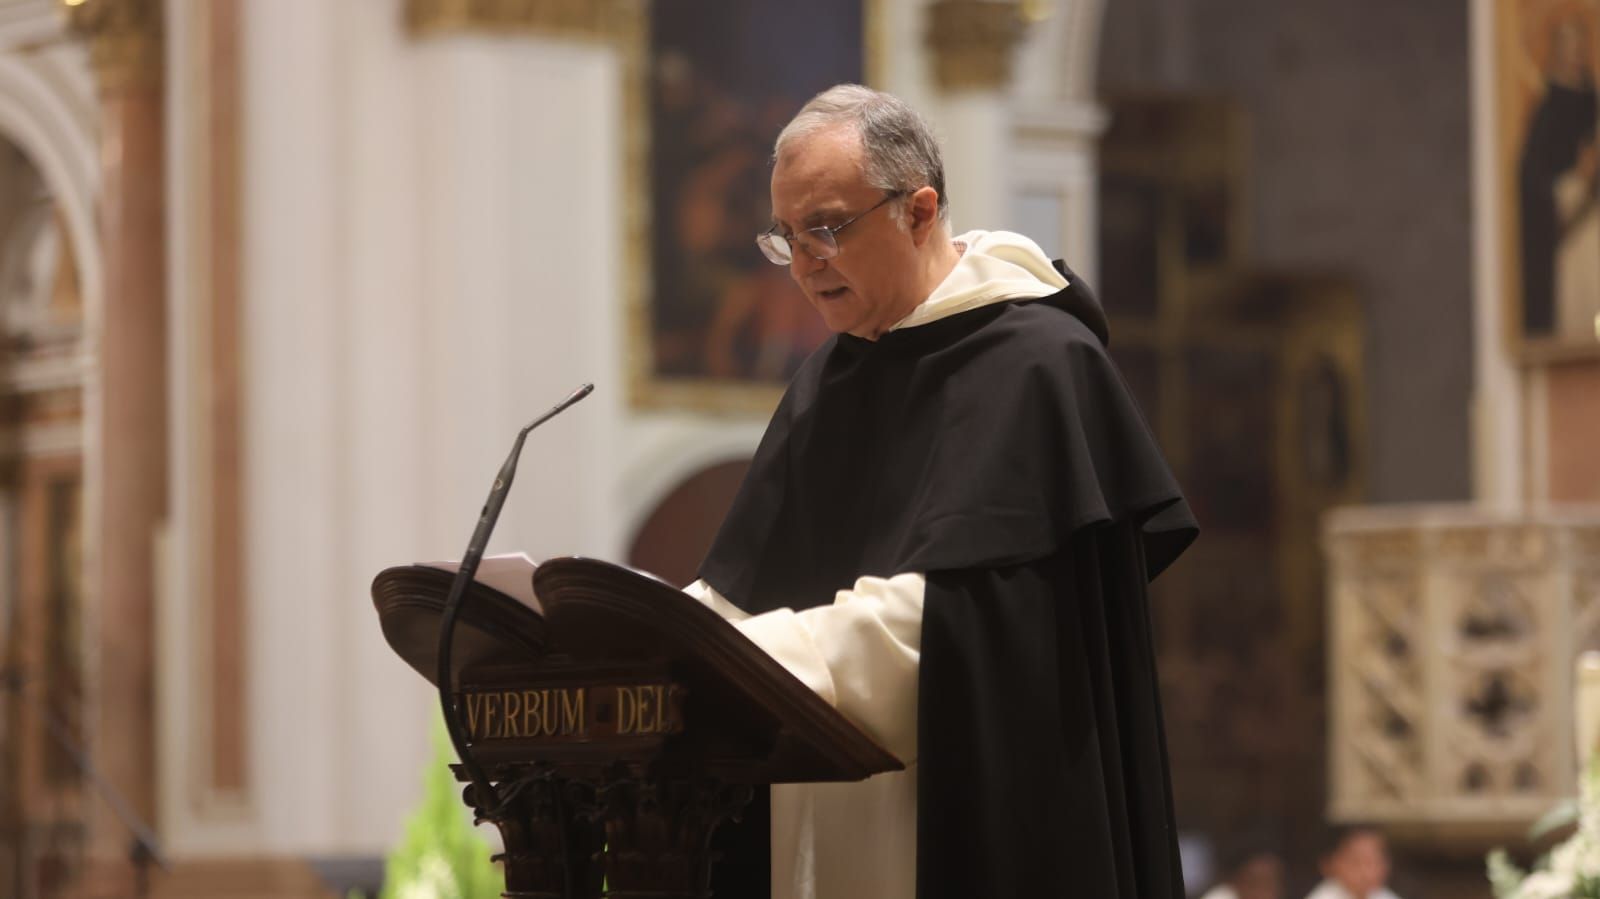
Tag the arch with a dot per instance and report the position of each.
(46, 107)
(665, 463)
(39, 118)
(680, 530)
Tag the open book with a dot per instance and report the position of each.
(509, 574)
(501, 620)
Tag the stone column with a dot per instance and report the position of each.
(972, 43)
(125, 40)
(536, 226)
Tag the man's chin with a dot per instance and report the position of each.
(835, 315)
(841, 324)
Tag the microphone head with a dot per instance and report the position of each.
(582, 391)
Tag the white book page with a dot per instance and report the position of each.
(509, 573)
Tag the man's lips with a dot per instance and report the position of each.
(832, 293)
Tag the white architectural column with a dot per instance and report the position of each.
(975, 126)
(971, 44)
(433, 255)
(1018, 118)
(296, 334)
(523, 255)
(1499, 425)
(1056, 126)
(1054, 180)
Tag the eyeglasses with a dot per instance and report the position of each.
(818, 243)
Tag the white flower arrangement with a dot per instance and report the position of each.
(1572, 869)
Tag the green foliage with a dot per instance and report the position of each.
(441, 856)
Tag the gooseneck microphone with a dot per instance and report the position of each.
(485, 799)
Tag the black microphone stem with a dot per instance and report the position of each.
(486, 800)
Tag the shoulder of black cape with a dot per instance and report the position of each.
(996, 436)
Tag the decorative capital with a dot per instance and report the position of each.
(972, 42)
(584, 19)
(124, 39)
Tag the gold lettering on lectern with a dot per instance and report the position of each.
(550, 714)
(521, 714)
(642, 710)
(513, 710)
(570, 713)
(473, 702)
(530, 711)
(627, 711)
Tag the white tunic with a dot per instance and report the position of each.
(860, 654)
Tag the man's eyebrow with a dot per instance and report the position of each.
(813, 219)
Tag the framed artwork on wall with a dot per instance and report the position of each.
(714, 325)
(1547, 63)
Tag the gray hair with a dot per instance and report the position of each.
(901, 153)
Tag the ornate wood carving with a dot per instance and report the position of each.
(617, 831)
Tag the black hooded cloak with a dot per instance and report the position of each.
(998, 452)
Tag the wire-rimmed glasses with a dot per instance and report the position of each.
(818, 243)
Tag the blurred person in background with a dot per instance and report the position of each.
(1251, 872)
(1356, 866)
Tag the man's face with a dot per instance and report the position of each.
(1360, 864)
(874, 281)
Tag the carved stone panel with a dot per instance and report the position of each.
(1454, 634)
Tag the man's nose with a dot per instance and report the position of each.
(802, 263)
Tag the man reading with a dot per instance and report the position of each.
(947, 532)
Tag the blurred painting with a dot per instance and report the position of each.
(725, 76)
(1549, 134)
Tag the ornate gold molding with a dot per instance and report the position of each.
(588, 19)
(124, 39)
(972, 42)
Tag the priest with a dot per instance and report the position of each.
(947, 532)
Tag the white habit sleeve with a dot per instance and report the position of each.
(860, 653)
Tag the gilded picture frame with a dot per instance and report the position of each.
(1547, 171)
(712, 326)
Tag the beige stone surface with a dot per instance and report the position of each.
(1574, 404)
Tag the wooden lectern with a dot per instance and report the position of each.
(620, 722)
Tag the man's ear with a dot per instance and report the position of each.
(922, 212)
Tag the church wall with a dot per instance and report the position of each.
(1573, 416)
(1360, 163)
